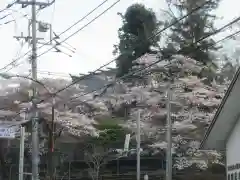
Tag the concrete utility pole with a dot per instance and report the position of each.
(50, 166)
(138, 145)
(169, 135)
(21, 153)
(35, 138)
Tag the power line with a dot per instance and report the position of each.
(139, 70)
(13, 20)
(17, 11)
(73, 34)
(50, 72)
(90, 22)
(129, 74)
(68, 47)
(3, 17)
(53, 13)
(55, 74)
(183, 17)
(11, 14)
(222, 28)
(15, 60)
(133, 73)
(8, 6)
(84, 17)
(228, 37)
(219, 30)
(149, 38)
(165, 28)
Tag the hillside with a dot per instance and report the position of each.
(193, 106)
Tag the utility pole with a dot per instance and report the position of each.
(33, 38)
(169, 135)
(138, 145)
(51, 144)
(43, 27)
(21, 153)
(35, 140)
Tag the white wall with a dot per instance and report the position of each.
(233, 149)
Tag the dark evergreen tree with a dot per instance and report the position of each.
(187, 32)
(136, 36)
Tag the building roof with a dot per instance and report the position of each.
(225, 118)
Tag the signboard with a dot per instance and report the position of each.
(233, 167)
(126, 143)
(8, 132)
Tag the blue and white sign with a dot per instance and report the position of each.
(8, 132)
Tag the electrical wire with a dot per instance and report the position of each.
(86, 76)
(71, 50)
(219, 30)
(141, 69)
(17, 55)
(83, 27)
(129, 74)
(68, 47)
(197, 8)
(14, 19)
(3, 17)
(54, 9)
(11, 14)
(84, 17)
(165, 28)
(72, 34)
(54, 74)
(228, 37)
(8, 6)
(10, 21)
(17, 11)
(14, 64)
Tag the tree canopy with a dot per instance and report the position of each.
(109, 135)
(196, 26)
(98, 150)
(136, 36)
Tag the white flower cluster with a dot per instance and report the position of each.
(193, 105)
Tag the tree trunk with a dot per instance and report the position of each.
(97, 173)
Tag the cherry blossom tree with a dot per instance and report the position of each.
(99, 150)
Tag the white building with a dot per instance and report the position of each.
(223, 133)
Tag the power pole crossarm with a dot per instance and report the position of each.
(41, 4)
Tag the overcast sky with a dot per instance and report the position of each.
(94, 44)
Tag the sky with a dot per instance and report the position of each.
(94, 44)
